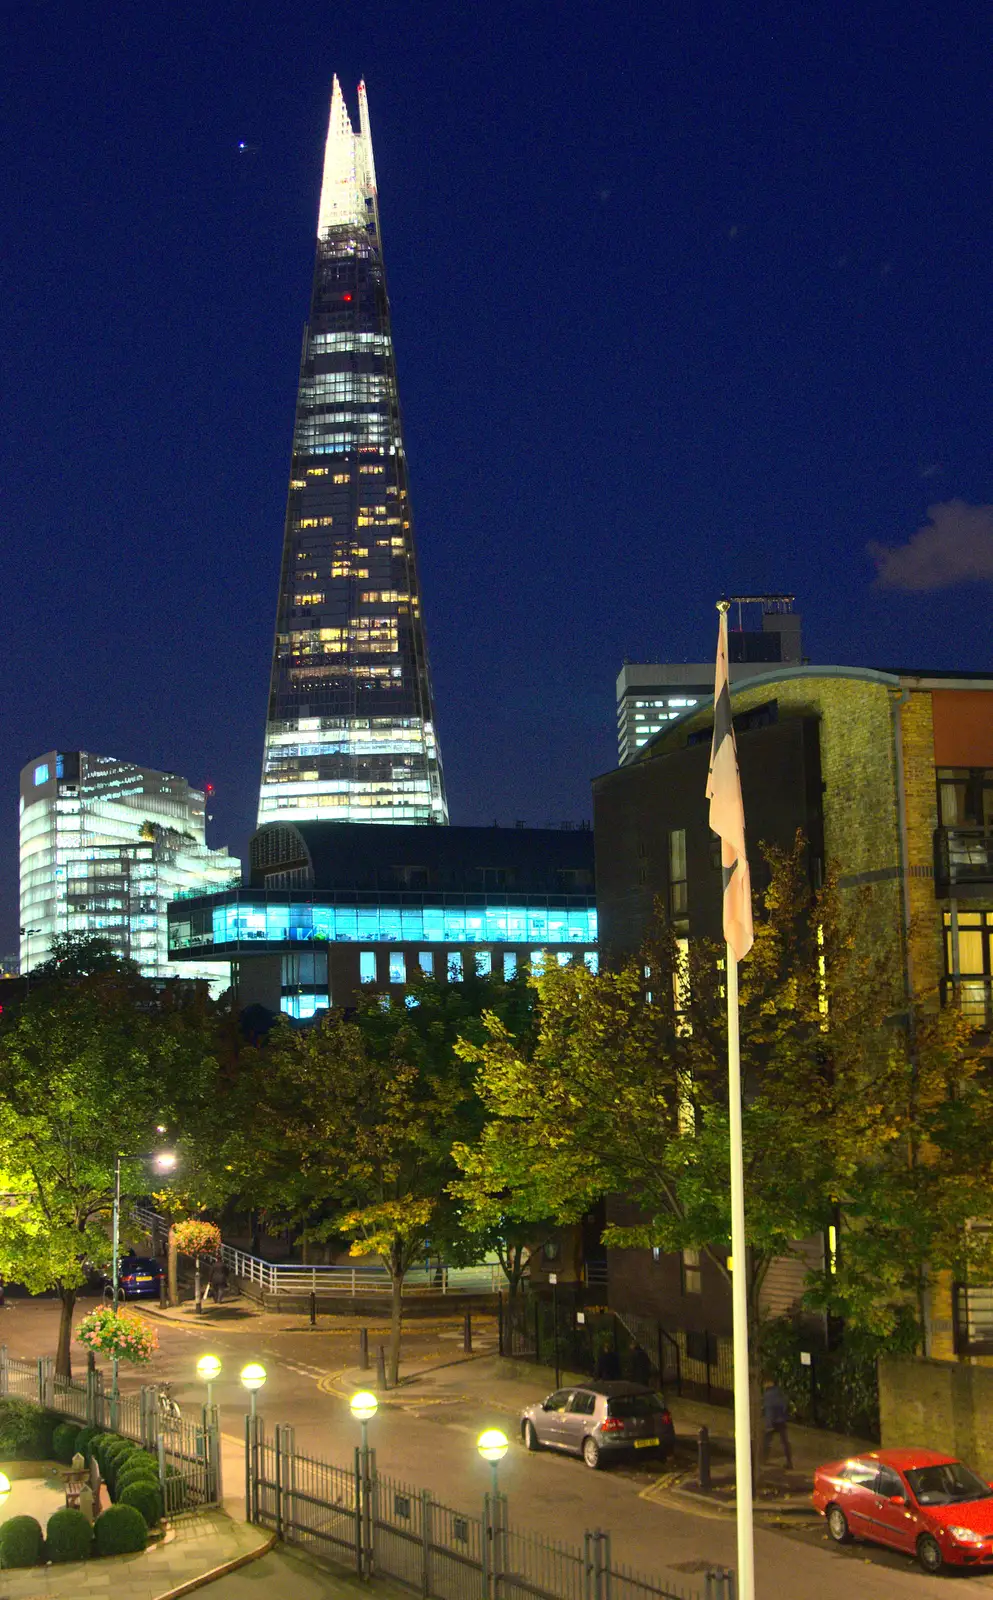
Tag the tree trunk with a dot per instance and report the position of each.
(172, 1275)
(396, 1320)
(63, 1359)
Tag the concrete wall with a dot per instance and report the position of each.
(938, 1405)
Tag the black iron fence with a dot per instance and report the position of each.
(378, 1525)
(559, 1331)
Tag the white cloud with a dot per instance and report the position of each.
(955, 545)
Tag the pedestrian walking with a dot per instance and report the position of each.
(218, 1281)
(775, 1416)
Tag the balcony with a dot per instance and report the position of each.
(963, 862)
(974, 998)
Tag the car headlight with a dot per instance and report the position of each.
(966, 1535)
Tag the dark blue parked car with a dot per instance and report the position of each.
(140, 1277)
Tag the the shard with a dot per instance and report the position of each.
(350, 734)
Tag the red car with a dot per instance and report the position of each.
(920, 1501)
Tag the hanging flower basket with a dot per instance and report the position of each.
(195, 1238)
(123, 1337)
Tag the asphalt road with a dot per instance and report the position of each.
(428, 1441)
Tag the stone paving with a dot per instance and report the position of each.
(195, 1548)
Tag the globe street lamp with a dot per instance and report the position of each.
(209, 1368)
(363, 1407)
(493, 1446)
(163, 1161)
(253, 1377)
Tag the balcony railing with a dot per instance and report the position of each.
(973, 996)
(963, 861)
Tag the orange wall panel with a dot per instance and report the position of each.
(963, 727)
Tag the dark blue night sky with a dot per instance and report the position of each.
(686, 299)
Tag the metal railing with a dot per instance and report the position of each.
(294, 1277)
(188, 1447)
(383, 1527)
(962, 856)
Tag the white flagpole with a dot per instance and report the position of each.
(739, 1301)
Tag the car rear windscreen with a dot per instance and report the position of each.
(635, 1405)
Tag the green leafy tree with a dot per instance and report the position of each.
(346, 1128)
(91, 1066)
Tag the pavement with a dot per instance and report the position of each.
(196, 1549)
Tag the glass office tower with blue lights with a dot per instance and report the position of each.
(350, 735)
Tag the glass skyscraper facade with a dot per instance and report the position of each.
(105, 846)
(350, 735)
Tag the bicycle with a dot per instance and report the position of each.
(169, 1412)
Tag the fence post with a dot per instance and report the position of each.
(248, 1467)
(48, 1381)
(358, 1511)
(41, 1382)
(214, 1454)
(278, 1452)
(289, 1460)
(4, 1376)
(313, 1308)
(162, 1476)
(426, 1530)
(500, 1349)
(487, 1551)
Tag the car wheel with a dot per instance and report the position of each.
(929, 1553)
(591, 1452)
(837, 1524)
(530, 1437)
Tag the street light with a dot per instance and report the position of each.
(363, 1407)
(253, 1377)
(493, 1446)
(164, 1161)
(26, 935)
(209, 1368)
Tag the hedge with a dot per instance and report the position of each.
(146, 1497)
(21, 1542)
(69, 1536)
(119, 1531)
(133, 1470)
(25, 1429)
(85, 1440)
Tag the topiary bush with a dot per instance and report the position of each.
(146, 1497)
(102, 1444)
(116, 1460)
(64, 1442)
(21, 1542)
(133, 1469)
(69, 1536)
(48, 1421)
(120, 1531)
(84, 1442)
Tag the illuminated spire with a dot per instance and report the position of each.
(349, 171)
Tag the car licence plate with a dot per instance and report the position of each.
(642, 1444)
(146, 1279)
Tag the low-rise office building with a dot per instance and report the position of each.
(330, 909)
(890, 777)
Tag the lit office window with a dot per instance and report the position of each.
(398, 967)
(367, 966)
(592, 960)
(41, 773)
(537, 961)
(425, 961)
(509, 965)
(563, 958)
(484, 963)
(455, 966)
(678, 887)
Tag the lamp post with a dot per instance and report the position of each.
(493, 1446)
(253, 1377)
(209, 1368)
(363, 1407)
(164, 1161)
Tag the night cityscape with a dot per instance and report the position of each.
(554, 1020)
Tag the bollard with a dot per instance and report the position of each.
(313, 1309)
(163, 1292)
(364, 1349)
(703, 1458)
(467, 1333)
(381, 1367)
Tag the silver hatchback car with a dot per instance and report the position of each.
(600, 1419)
